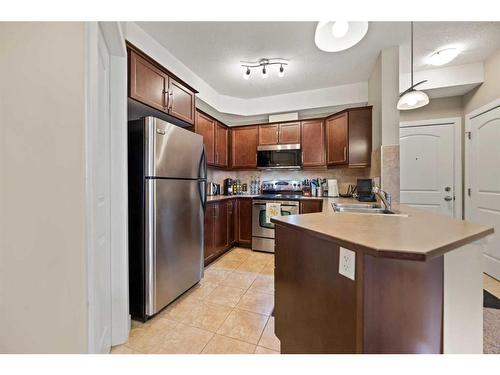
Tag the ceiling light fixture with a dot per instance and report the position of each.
(411, 98)
(263, 64)
(281, 73)
(334, 36)
(340, 28)
(443, 56)
(246, 75)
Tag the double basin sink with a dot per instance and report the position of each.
(362, 208)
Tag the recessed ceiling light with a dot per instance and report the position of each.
(443, 56)
(334, 36)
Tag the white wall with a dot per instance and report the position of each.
(437, 108)
(489, 90)
(43, 286)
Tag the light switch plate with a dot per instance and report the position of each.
(347, 263)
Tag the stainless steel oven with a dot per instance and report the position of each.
(263, 232)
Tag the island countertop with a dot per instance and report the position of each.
(415, 235)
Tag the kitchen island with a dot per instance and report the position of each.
(410, 283)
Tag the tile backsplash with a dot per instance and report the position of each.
(344, 176)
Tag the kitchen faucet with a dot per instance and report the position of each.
(384, 196)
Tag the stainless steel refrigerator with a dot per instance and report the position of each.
(167, 198)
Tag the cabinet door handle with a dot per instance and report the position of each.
(165, 99)
(170, 100)
(345, 153)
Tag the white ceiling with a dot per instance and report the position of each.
(213, 50)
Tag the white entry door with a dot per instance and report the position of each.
(99, 237)
(483, 180)
(427, 167)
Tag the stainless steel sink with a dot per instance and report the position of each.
(362, 208)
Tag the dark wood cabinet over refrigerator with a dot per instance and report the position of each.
(154, 86)
(215, 138)
(349, 138)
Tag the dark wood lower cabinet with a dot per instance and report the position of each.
(393, 306)
(220, 228)
(244, 222)
(311, 205)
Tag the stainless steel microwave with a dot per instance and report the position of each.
(279, 157)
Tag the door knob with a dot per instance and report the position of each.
(447, 188)
(448, 198)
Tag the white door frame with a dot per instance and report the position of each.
(113, 35)
(487, 262)
(457, 157)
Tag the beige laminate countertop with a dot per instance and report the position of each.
(420, 235)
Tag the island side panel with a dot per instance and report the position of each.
(403, 305)
(463, 300)
(315, 307)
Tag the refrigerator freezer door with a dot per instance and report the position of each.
(172, 151)
(176, 247)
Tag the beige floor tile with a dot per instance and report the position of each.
(215, 275)
(262, 350)
(202, 290)
(237, 255)
(123, 349)
(160, 325)
(240, 279)
(257, 302)
(148, 341)
(243, 325)
(227, 263)
(225, 345)
(207, 316)
(251, 266)
(268, 270)
(178, 310)
(263, 284)
(261, 256)
(184, 340)
(225, 295)
(268, 338)
(492, 285)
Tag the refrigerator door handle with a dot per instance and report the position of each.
(202, 168)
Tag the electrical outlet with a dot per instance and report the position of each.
(347, 263)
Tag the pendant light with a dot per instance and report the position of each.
(411, 98)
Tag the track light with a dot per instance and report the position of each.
(246, 75)
(263, 65)
(281, 73)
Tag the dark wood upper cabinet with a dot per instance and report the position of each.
(313, 143)
(360, 137)
(268, 134)
(337, 140)
(155, 86)
(221, 145)
(349, 138)
(147, 83)
(274, 134)
(180, 101)
(244, 142)
(205, 126)
(289, 133)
